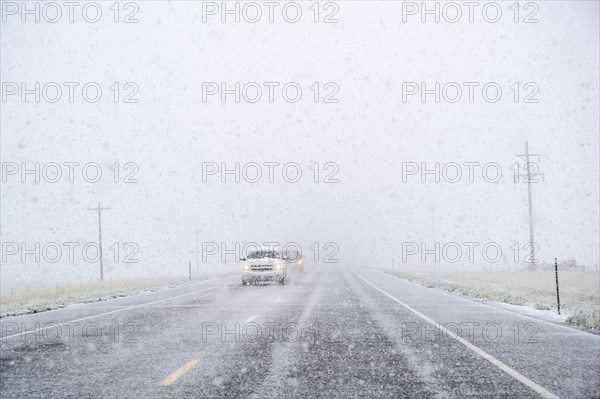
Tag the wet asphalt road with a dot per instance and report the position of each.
(330, 332)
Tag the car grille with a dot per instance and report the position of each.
(261, 268)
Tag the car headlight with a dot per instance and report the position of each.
(246, 267)
(277, 266)
(299, 262)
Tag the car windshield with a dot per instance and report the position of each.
(264, 254)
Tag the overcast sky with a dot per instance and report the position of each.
(369, 133)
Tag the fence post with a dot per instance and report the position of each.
(190, 270)
(557, 292)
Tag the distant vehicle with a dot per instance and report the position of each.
(298, 265)
(294, 258)
(264, 265)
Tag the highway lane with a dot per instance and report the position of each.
(330, 332)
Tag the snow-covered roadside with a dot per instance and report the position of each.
(580, 308)
(35, 302)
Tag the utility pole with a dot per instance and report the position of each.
(530, 176)
(99, 209)
(197, 252)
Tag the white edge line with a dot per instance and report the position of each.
(105, 313)
(513, 373)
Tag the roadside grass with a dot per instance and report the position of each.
(579, 291)
(34, 301)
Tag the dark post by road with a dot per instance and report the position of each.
(99, 209)
(190, 269)
(556, 274)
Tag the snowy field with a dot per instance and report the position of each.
(38, 300)
(579, 291)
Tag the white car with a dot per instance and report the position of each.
(264, 265)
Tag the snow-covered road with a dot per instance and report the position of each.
(330, 332)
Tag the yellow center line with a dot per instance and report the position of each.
(251, 318)
(178, 373)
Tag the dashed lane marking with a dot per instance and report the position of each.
(178, 373)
